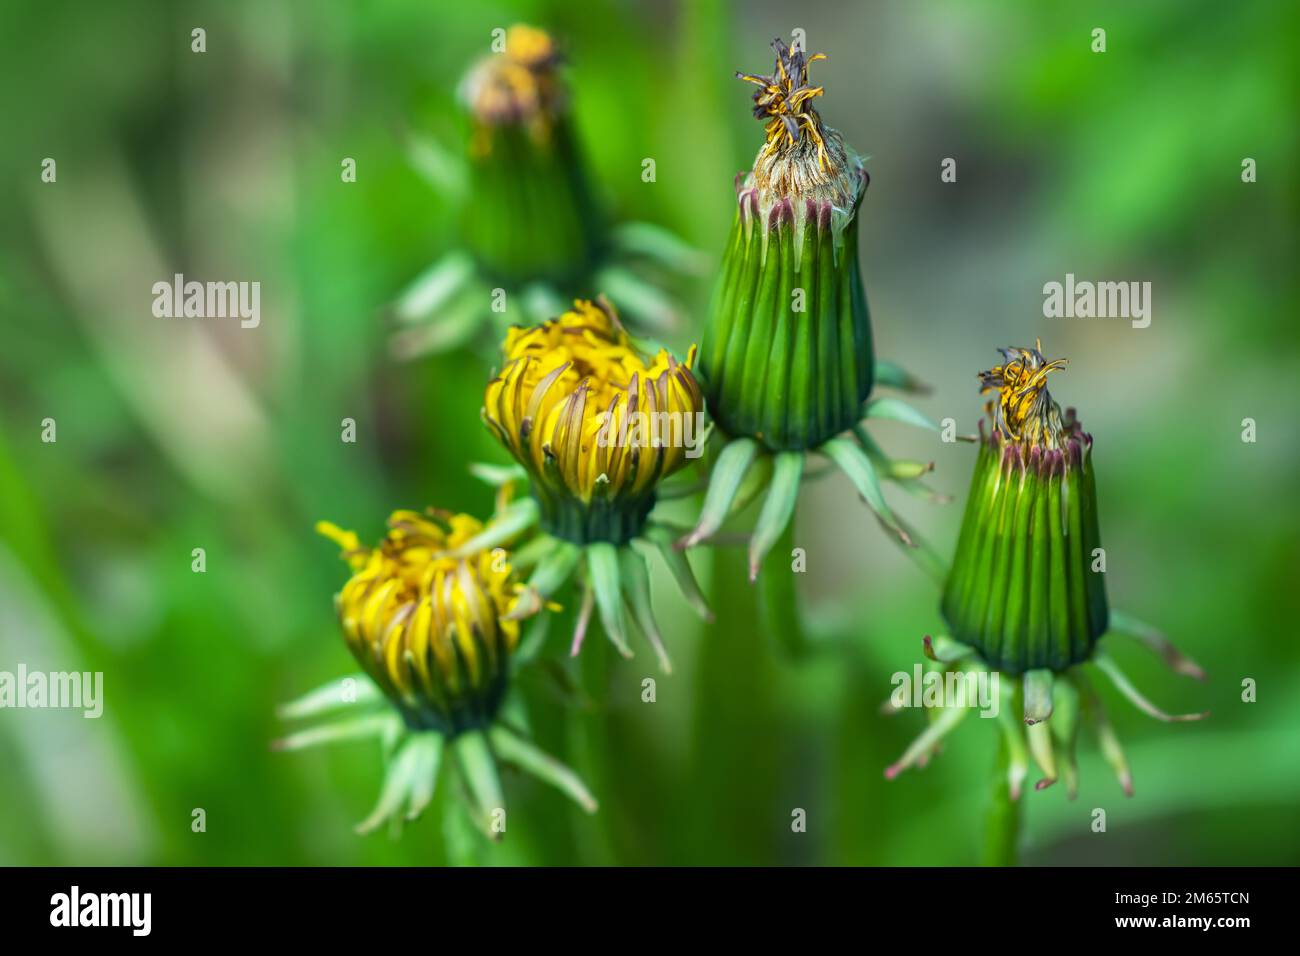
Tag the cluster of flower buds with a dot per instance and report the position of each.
(596, 425)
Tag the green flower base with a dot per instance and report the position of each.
(1022, 590)
(599, 520)
(786, 357)
(531, 216)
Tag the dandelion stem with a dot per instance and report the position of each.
(1002, 819)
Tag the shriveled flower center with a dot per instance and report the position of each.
(1024, 410)
(801, 158)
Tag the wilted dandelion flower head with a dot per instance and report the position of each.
(787, 357)
(1023, 590)
(802, 159)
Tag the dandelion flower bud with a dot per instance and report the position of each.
(1026, 598)
(533, 231)
(430, 630)
(532, 215)
(594, 423)
(431, 621)
(787, 358)
(786, 361)
(1024, 590)
(597, 426)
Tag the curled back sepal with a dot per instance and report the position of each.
(1041, 711)
(416, 760)
(613, 582)
(787, 356)
(1022, 590)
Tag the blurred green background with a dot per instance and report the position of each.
(175, 434)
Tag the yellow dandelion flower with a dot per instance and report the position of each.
(594, 423)
(432, 631)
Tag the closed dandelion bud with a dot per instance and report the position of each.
(1023, 590)
(531, 215)
(431, 630)
(786, 357)
(594, 423)
(1025, 598)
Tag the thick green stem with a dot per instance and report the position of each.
(1002, 819)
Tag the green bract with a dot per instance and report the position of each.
(1026, 598)
(786, 358)
(1025, 589)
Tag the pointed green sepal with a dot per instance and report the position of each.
(636, 591)
(1155, 639)
(399, 779)
(941, 724)
(517, 518)
(1117, 677)
(354, 692)
(728, 473)
(856, 464)
(606, 582)
(893, 375)
(1065, 732)
(895, 409)
(1038, 695)
(515, 750)
(424, 776)
(355, 728)
(478, 770)
(778, 507)
(680, 567)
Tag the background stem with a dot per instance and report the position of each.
(1002, 819)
